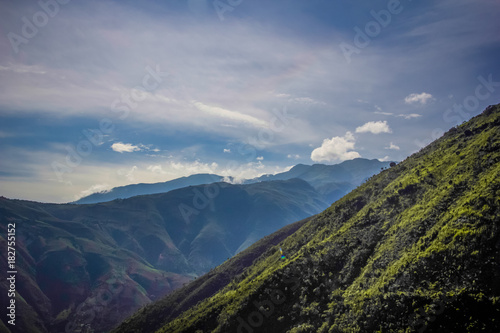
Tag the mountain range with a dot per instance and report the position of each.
(138, 249)
(332, 181)
(416, 248)
(146, 246)
(128, 191)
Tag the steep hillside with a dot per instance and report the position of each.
(415, 248)
(128, 191)
(135, 250)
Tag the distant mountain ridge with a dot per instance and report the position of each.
(128, 191)
(332, 181)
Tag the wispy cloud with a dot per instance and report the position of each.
(230, 115)
(21, 68)
(282, 95)
(410, 116)
(306, 100)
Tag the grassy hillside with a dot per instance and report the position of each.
(415, 248)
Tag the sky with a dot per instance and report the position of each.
(98, 94)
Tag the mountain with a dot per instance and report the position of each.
(96, 264)
(128, 191)
(416, 248)
(153, 316)
(331, 181)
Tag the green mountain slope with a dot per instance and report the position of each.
(96, 264)
(416, 248)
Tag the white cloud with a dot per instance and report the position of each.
(410, 116)
(230, 115)
(296, 156)
(336, 148)
(227, 150)
(121, 147)
(421, 98)
(375, 127)
(392, 146)
(260, 158)
(384, 159)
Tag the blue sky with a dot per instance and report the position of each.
(98, 94)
